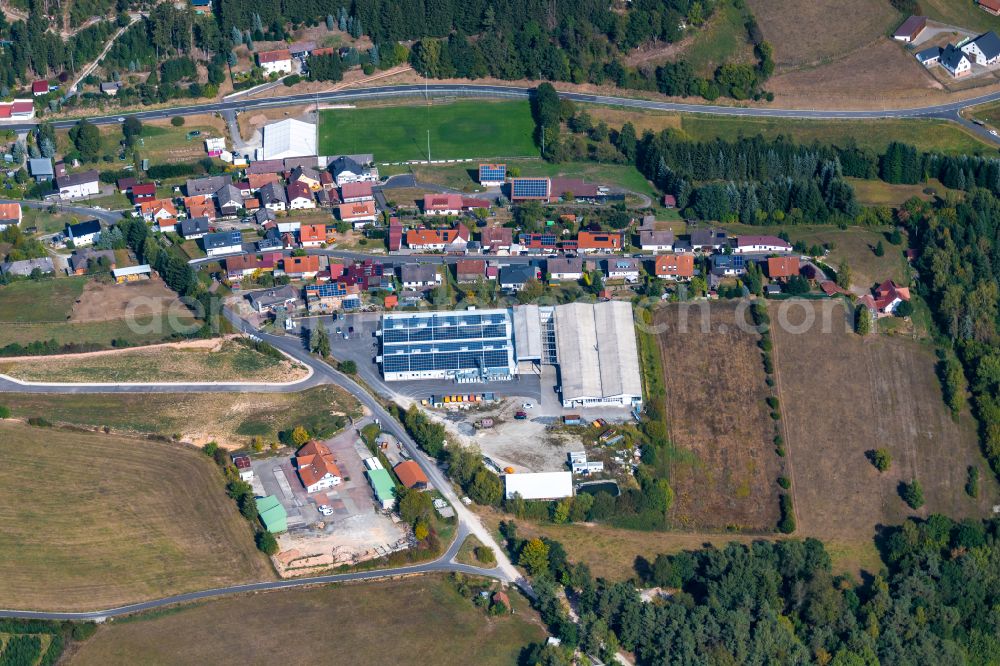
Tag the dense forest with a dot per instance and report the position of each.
(779, 602)
(958, 241)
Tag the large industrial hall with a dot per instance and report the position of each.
(593, 345)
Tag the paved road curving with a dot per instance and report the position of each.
(948, 110)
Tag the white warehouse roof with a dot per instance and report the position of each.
(597, 351)
(289, 138)
(527, 333)
(539, 485)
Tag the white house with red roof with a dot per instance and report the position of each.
(886, 298)
(442, 204)
(760, 245)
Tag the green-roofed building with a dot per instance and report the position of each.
(385, 490)
(273, 516)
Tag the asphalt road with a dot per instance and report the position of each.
(109, 216)
(947, 110)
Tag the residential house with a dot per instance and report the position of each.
(301, 49)
(317, 467)
(223, 242)
(266, 166)
(442, 204)
(544, 243)
(358, 214)
(10, 215)
(326, 181)
(83, 233)
(599, 242)
(206, 186)
(514, 276)
(419, 276)
(266, 300)
(782, 268)
(955, 61)
(312, 235)
(193, 228)
(166, 225)
(262, 216)
(623, 268)
(40, 169)
(272, 196)
(347, 170)
(39, 88)
(156, 209)
(930, 56)
(259, 180)
(470, 270)
(306, 175)
(707, 240)
(300, 196)
(676, 267)
(990, 6)
(201, 7)
(888, 296)
(200, 207)
(472, 203)
(275, 62)
(143, 192)
(110, 88)
(728, 265)
(332, 297)
(303, 268)
(983, 50)
(20, 109)
(395, 239)
(760, 245)
(561, 270)
(80, 260)
(356, 191)
(370, 275)
(125, 185)
(25, 267)
(496, 239)
(241, 265)
(432, 240)
(669, 201)
(76, 185)
(229, 199)
(656, 241)
(910, 29)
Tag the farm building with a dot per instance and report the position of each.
(131, 273)
(539, 485)
(597, 342)
(910, 29)
(410, 475)
(383, 487)
(272, 514)
(492, 175)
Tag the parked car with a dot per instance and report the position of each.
(325, 510)
(521, 416)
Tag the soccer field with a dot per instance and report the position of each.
(457, 130)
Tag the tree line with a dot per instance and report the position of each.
(780, 602)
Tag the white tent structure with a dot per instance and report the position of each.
(289, 138)
(539, 485)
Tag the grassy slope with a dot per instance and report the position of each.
(93, 520)
(457, 130)
(376, 623)
(964, 14)
(233, 362)
(722, 40)
(230, 417)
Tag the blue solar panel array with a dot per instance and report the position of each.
(329, 289)
(435, 342)
(492, 173)
(530, 187)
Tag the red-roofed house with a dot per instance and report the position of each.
(669, 201)
(888, 296)
(410, 475)
(301, 267)
(432, 240)
(312, 235)
(143, 192)
(470, 270)
(677, 267)
(782, 268)
(395, 234)
(39, 88)
(300, 196)
(442, 204)
(496, 239)
(275, 62)
(10, 215)
(599, 242)
(359, 214)
(317, 467)
(354, 192)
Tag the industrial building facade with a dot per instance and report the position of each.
(592, 344)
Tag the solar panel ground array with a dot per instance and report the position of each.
(458, 130)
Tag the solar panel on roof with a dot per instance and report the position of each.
(530, 187)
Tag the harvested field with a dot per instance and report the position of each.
(843, 395)
(231, 419)
(101, 301)
(725, 472)
(835, 29)
(93, 521)
(373, 623)
(212, 360)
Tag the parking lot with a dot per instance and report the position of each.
(356, 531)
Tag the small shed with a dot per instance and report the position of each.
(131, 273)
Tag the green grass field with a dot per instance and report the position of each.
(416, 620)
(463, 176)
(722, 40)
(229, 418)
(48, 300)
(93, 520)
(961, 13)
(458, 130)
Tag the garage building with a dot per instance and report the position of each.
(597, 354)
